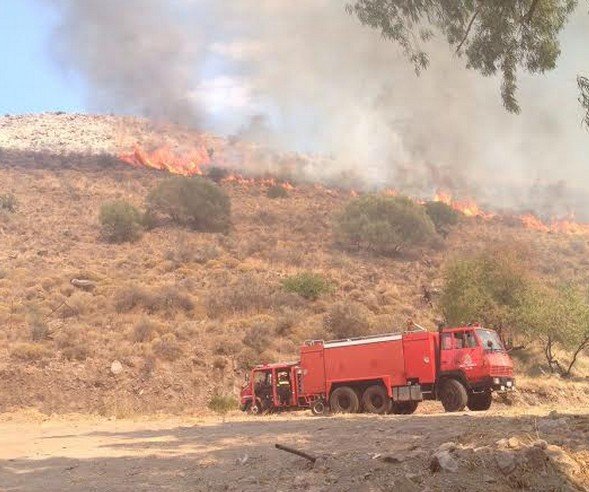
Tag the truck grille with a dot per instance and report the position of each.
(501, 371)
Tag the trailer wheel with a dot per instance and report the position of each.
(479, 401)
(453, 395)
(344, 400)
(404, 407)
(318, 407)
(376, 400)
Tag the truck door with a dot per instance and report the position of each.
(459, 352)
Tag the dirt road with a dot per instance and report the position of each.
(356, 453)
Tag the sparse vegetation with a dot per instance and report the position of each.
(167, 347)
(8, 202)
(383, 225)
(347, 320)
(120, 222)
(30, 352)
(194, 202)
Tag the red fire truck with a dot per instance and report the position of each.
(389, 373)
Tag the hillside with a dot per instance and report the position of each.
(184, 312)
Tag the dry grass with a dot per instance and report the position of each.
(177, 306)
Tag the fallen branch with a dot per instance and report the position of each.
(312, 459)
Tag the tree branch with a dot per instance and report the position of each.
(467, 32)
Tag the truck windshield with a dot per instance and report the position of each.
(490, 340)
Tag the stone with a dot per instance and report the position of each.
(513, 443)
(561, 460)
(506, 461)
(116, 367)
(443, 461)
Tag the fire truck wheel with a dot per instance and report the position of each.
(404, 407)
(376, 400)
(480, 401)
(453, 395)
(344, 400)
(318, 407)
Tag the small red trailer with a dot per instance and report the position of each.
(386, 373)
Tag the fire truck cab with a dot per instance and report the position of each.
(270, 386)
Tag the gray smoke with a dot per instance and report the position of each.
(306, 76)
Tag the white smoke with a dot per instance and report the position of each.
(324, 83)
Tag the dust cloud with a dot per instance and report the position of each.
(305, 76)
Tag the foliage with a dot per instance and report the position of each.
(583, 83)
(307, 284)
(194, 202)
(276, 191)
(382, 224)
(221, 404)
(557, 317)
(442, 215)
(488, 288)
(120, 221)
(501, 36)
(347, 319)
(8, 202)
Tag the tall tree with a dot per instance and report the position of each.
(493, 36)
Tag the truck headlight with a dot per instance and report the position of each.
(496, 380)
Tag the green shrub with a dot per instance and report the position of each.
(276, 191)
(8, 202)
(442, 215)
(120, 221)
(194, 202)
(308, 285)
(383, 225)
(222, 404)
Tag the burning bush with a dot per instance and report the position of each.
(383, 225)
(307, 284)
(194, 202)
(120, 221)
(442, 215)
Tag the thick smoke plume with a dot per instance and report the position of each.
(306, 76)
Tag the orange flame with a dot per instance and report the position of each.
(165, 159)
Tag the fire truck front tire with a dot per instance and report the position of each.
(453, 395)
(480, 401)
(344, 400)
(376, 400)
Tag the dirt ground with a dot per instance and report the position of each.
(492, 451)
